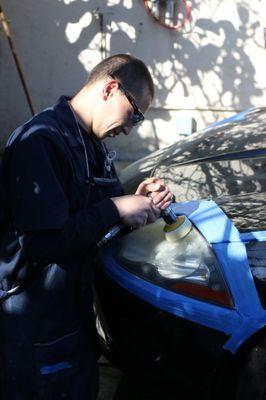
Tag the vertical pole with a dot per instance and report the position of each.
(103, 36)
(7, 33)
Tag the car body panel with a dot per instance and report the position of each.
(147, 342)
(219, 181)
(240, 323)
(245, 131)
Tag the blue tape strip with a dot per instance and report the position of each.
(51, 369)
(250, 236)
(197, 311)
(213, 223)
(240, 323)
(210, 220)
(234, 264)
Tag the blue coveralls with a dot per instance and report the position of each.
(52, 214)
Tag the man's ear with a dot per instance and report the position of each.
(109, 88)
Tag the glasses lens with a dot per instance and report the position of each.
(137, 116)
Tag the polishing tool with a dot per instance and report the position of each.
(177, 227)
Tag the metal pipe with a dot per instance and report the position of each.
(7, 33)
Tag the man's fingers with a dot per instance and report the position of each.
(154, 187)
(150, 185)
(158, 197)
(143, 184)
(136, 210)
(165, 205)
(153, 212)
(144, 188)
(162, 197)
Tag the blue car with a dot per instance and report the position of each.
(195, 309)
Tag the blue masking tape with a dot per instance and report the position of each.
(251, 236)
(234, 264)
(177, 304)
(227, 243)
(210, 220)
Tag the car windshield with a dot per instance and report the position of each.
(244, 133)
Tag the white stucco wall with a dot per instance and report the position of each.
(212, 69)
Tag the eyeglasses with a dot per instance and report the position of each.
(137, 116)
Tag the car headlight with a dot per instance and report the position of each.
(187, 266)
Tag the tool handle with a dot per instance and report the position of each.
(109, 235)
(168, 215)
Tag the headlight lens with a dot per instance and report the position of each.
(187, 266)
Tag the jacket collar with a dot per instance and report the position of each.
(67, 121)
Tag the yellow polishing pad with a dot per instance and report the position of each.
(178, 230)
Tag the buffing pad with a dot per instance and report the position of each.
(178, 230)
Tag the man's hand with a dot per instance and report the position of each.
(157, 190)
(136, 210)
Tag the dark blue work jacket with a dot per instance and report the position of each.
(52, 214)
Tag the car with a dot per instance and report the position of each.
(194, 309)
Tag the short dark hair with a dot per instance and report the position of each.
(128, 70)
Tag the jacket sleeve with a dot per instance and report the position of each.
(81, 231)
(36, 180)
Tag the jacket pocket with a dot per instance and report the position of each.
(66, 368)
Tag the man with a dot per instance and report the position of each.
(59, 195)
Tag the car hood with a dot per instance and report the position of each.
(245, 131)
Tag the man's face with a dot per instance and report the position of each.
(119, 111)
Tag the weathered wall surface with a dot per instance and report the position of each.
(212, 69)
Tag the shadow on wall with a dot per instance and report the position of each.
(75, 35)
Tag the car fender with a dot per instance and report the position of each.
(239, 323)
